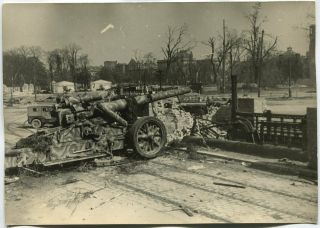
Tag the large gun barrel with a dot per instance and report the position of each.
(121, 104)
(161, 95)
(110, 108)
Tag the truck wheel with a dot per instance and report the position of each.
(148, 136)
(36, 123)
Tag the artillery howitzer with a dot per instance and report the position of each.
(92, 127)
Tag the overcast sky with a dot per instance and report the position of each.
(114, 31)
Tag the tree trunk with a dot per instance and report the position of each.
(223, 57)
(256, 73)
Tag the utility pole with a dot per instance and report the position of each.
(290, 94)
(34, 83)
(231, 61)
(260, 62)
(160, 78)
(223, 55)
(159, 74)
(11, 91)
(144, 81)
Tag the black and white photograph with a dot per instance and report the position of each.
(160, 113)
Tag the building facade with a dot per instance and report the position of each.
(100, 85)
(63, 87)
(311, 54)
(110, 65)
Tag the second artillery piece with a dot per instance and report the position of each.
(92, 127)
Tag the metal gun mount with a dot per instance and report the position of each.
(92, 127)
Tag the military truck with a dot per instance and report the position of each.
(41, 114)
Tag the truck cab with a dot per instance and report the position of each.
(39, 115)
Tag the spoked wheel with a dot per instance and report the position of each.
(36, 123)
(148, 136)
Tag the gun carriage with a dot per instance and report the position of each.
(92, 127)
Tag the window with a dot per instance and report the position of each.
(34, 109)
(44, 109)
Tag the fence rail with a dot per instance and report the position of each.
(279, 129)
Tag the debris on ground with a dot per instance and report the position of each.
(229, 185)
(112, 198)
(276, 216)
(31, 171)
(79, 197)
(313, 182)
(246, 164)
(283, 159)
(196, 167)
(116, 160)
(287, 161)
(10, 180)
(193, 153)
(129, 168)
(186, 210)
(296, 183)
(85, 167)
(70, 181)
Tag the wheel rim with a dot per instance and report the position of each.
(36, 123)
(150, 138)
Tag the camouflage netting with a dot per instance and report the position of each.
(180, 123)
(38, 142)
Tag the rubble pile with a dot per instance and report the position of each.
(178, 122)
(206, 129)
(212, 110)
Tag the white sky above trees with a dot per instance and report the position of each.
(114, 31)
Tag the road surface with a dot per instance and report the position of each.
(170, 189)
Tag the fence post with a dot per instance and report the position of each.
(234, 99)
(312, 136)
(304, 133)
(268, 116)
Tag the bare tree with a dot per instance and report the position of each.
(175, 42)
(139, 63)
(73, 50)
(83, 61)
(211, 42)
(51, 60)
(35, 54)
(149, 59)
(219, 48)
(234, 48)
(257, 48)
(84, 77)
(150, 64)
(64, 53)
(35, 51)
(13, 63)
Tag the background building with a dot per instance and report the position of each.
(63, 86)
(311, 54)
(110, 65)
(100, 85)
